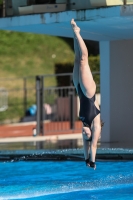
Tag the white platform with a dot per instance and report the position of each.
(46, 8)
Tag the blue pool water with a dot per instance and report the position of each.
(66, 180)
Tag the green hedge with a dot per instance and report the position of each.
(63, 68)
(94, 63)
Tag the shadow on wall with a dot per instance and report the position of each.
(92, 46)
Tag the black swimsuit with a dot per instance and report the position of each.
(88, 110)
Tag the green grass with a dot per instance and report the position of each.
(26, 54)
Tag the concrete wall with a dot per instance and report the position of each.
(121, 90)
(105, 89)
(117, 90)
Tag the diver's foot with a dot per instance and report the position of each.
(76, 29)
(90, 164)
(93, 165)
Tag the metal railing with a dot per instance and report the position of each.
(57, 106)
(21, 94)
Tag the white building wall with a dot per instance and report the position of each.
(121, 90)
(105, 89)
(117, 90)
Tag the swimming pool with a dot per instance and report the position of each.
(63, 180)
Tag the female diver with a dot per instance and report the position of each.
(85, 86)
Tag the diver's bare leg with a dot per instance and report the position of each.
(76, 63)
(87, 83)
(96, 134)
(86, 147)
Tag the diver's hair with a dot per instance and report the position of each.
(102, 123)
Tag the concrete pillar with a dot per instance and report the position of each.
(105, 89)
(116, 63)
